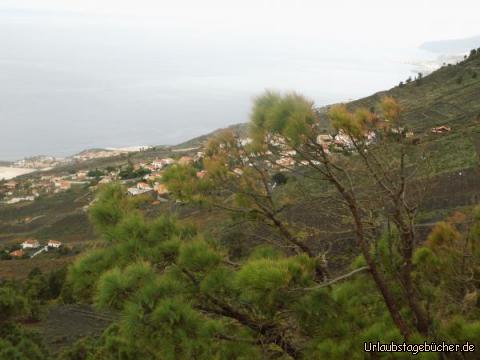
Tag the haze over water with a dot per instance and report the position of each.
(71, 80)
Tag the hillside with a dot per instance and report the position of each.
(440, 98)
(447, 96)
(241, 129)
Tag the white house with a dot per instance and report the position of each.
(161, 163)
(54, 244)
(30, 244)
(133, 191)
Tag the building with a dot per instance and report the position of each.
(63, 184)
(152, 177)
(81, 175)
(370, 137)
(238, 171)
(149, 167)
(133, 191)
(199, 156)
(54, 244)
(343, 140)
(245, 141)
(285, 162)
(201, 174)
(185, 160)
(158, 164)
(161, 163)
(30, 244)
(17, 253)
(11, 185)
(324, 139)
(15, 200)
(441, 129)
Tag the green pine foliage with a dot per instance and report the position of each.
(180, 297)
(21, 301)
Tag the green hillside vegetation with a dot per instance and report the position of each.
(180, 291)
(22, 303)
(189, 296)
(48, 217)
(240, 129)
(58, 217)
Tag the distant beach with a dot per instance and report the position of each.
(11, 172)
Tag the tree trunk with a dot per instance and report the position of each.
(380, 282)
(321, 272)
(422, 322)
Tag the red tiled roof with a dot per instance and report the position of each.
(17, 253)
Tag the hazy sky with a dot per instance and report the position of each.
(406, 21)
(76, 74)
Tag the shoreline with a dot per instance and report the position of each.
(8, 173)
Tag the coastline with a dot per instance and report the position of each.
(8, 173)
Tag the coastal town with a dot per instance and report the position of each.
(142, 178)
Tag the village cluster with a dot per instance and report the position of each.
(39, 162)
(340, 141)
(31, 187)
(28, 189)
(150, 184)
(15, 191)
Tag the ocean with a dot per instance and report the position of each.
(70, 90)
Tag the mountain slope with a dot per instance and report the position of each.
(241, 129)
(449, 95)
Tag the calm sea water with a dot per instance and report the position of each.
(62, 92)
